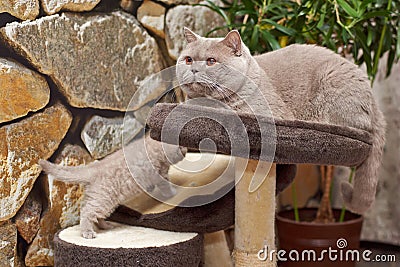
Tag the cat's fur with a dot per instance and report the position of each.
(304, 82)
(109, 183)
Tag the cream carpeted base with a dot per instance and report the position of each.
(128, 246)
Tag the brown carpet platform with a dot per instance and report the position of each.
(128, 246)
(296, 141)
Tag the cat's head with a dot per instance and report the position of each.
(212, 67)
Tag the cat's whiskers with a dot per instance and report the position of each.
(215, 87)
(208, 84)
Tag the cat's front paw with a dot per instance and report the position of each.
(166, 189)
(89, 234)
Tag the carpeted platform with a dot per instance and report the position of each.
(295, 142)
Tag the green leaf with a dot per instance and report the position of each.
(328, 36)
(345, 36)
(279, 27)
(227, 3)
(254, 38)
(361, 38)
(369, 36)
(271, 40)
(355, 51)
(245, 12)
(217, 29)
(249, 5)
(321, 20)
(374, 14)
(390, 62)
(216, 9)
(365, 3)
(348, 9)
(398, 41)
(328, 42)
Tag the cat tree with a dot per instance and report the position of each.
(296, 142)
(252, 213)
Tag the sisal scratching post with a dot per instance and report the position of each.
(254, 215)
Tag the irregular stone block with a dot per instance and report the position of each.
(27, 218)
(8, 244)
(152, 16)
(23, 144)
(153, 87)
(22, 9)
(102, 136)
(53, 6)
(200, 19)
(21, 90)
(180, 2)
(97, 60)
(63, 209)
(130, 6)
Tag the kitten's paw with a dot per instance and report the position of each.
(89, 234)
(166, 189)
(168, 192)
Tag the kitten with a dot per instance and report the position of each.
(109, 183)
(303, 82)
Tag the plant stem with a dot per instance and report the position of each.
(342, 213)
(294, 199)
(325, 213)
(261, 12)
(340, 22)
(379, 51)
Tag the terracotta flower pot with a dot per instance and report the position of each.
(334, 244)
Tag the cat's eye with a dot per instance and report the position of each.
(188, 60)
(211, 61)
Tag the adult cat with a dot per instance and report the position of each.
(304, 82)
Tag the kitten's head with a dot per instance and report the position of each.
(212, 67)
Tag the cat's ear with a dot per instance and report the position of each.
(234, 41)
(189, 35)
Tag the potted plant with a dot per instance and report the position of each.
(315, 230)
(363, 30)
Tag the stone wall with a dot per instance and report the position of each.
(68, 69)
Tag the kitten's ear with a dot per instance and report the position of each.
(189, 35)
(234, 41)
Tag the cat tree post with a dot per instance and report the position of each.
(254, 215)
